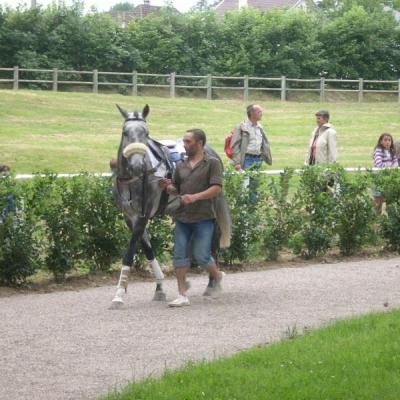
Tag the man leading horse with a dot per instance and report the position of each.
(198, 181)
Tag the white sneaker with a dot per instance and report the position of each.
(180, 301)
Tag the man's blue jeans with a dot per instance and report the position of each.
(253, 162)
(198, 236)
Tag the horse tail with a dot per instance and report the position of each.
(224, 221)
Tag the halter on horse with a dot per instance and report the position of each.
(141, 164)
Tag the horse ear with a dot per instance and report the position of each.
(123, 112)
(146, 111)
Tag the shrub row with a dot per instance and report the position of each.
(59, 224)
(322, 208)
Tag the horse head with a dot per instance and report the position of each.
(133, 150)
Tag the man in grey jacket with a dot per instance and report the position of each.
(249, 144)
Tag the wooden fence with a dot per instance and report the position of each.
(208, 83)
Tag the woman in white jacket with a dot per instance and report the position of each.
(322, 148)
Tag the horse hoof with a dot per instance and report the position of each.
(116, 304)
(159, 295)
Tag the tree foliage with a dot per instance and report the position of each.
(341, 39)
(123, 6)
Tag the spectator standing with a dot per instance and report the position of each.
(322, 148)
(384, 157)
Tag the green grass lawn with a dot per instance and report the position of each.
(357, 359)
(71, 132)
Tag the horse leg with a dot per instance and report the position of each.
(159, 294)
(122, 286)
(214, 251)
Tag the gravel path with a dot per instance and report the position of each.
(68, 345)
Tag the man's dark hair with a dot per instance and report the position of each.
(323, 113)
(249, 109)
(199, 135)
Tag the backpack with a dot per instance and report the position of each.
(227, 148)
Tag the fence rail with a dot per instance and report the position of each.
(275, 172)
(208, 83)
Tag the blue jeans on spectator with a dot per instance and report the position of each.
(199, 236)
(253, 162)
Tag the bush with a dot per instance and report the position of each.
(246, 226)
(354, 213)
(53, 201)
(282, 220)
(64, 223)
(19, 251)
(387, 181)
(315, 203)
(390, 227)
(102, 229)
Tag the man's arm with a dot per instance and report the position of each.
(209, 193)
(235, 146)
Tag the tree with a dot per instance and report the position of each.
(123, 6)
(362, 43)
(204, 5)
(339, 7)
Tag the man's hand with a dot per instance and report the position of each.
(238, 167)
(188, 199)
(164, 183)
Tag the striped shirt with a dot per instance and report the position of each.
(384, 158)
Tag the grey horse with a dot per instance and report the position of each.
(141, 164)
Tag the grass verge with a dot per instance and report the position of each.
(352, 359)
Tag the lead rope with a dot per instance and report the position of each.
(144, 190)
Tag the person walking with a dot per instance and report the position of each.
(197, 180)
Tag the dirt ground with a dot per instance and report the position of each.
(69, 345)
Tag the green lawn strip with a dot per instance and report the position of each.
(71, 132)
(352, 359)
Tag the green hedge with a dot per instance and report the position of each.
(59, 224)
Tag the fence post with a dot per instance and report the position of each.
(322, 90)
(95, 81)
(283, 88)
(399, 90)
(209, 87)
(360, 90)
(16, 77)
(246, 88)
(55, 79)
(172, 85)
(134, 83)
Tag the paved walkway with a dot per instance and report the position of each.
(69, 345)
